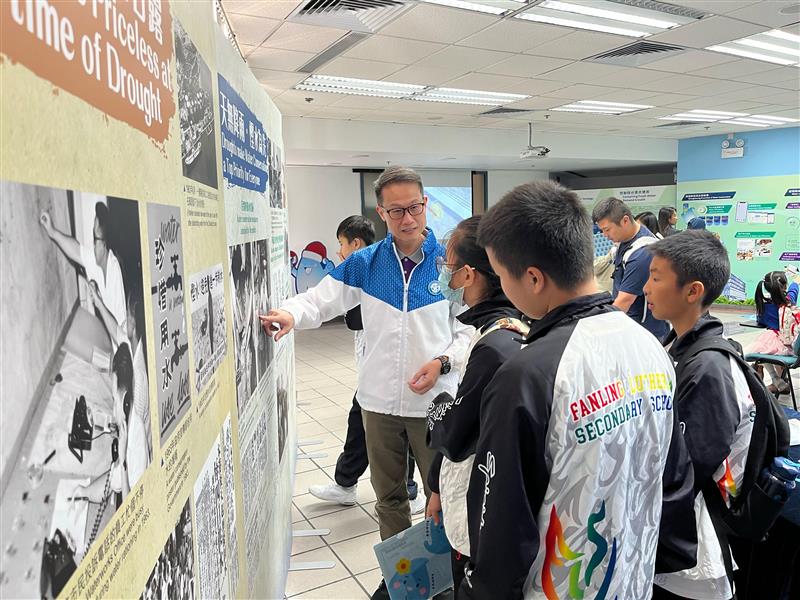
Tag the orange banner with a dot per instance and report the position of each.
(114, 54)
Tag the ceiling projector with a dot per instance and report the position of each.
(534, 152)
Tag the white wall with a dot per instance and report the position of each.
(319, 198)
(501, 182)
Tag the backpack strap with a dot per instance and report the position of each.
(637, 244)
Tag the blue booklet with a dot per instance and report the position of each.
(416, 562)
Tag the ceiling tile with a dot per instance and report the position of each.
(298, 98)
(707, 32)
(627, 95)
(629, 78)
(462, 60)
(714, 87)
(365, 102)
(421, 75)
(252, 30)
(759, 92)
(691, 60)
(278, 60)
(768, 13)
(274, 9)
(303, 38)
(786, 98)
(673, 83)
(538, 87)
(360, 69)
(717, 7)
(539, 103)
(512, 36)
(581, 44)
(522, 65)
(738, 68)
(437, 24)
(772, 77)
(580, 72)
(334, 112)
(749, 106)
(436, 108)
(278, 80)
(661, 100)
(393, 49)
(581, 92)
(246, 49)
(487, 82)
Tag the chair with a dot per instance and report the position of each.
(789, 363)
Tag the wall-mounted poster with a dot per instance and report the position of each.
(131, 279)
(209, 333)
(169, 315)
(76, 409)
(196, 109)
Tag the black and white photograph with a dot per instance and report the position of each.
(264, 345)
(283, 414)
(277, 185)
(244, 316)
(196, 111)
(209, 339)
(249, 266)
(172, 577)
(169, 316)
(230, 498)
(209, 512)
(75, 398)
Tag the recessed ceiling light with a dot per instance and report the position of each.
(743, 122)
(775, 46)
(600, 107)
(719, 116)
(403, 91)
(610, 16)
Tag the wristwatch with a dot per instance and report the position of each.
(445, 364)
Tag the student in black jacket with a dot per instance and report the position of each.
(578, 460)
(467, 278)
(713, 401)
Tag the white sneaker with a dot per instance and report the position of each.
(417, 504)
(346, 496)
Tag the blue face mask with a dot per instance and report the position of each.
(445, 276)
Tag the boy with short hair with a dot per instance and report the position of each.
(713, 401)
(577, 461)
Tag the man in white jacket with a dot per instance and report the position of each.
(414, 346)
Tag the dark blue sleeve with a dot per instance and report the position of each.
(637, 272)
(791, 294)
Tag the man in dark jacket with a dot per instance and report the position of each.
(713, 401)
(578, 460)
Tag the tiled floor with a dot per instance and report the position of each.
(326, 379)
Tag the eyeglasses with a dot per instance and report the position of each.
(398, 213)
(441, 264)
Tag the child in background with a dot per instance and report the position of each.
(776, 310)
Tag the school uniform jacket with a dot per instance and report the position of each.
(406, 324)
(576, 457)
(716, 413)
(453, 421)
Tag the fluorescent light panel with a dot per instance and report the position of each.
(776, 46)
(601, 107)
(605, 16)
(404, 91)
(734, 118)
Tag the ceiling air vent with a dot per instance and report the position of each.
(678, 124)
(364, 16)
(637, 53)
(662, 7)
(504, 112)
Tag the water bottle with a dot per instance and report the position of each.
(779, 479)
